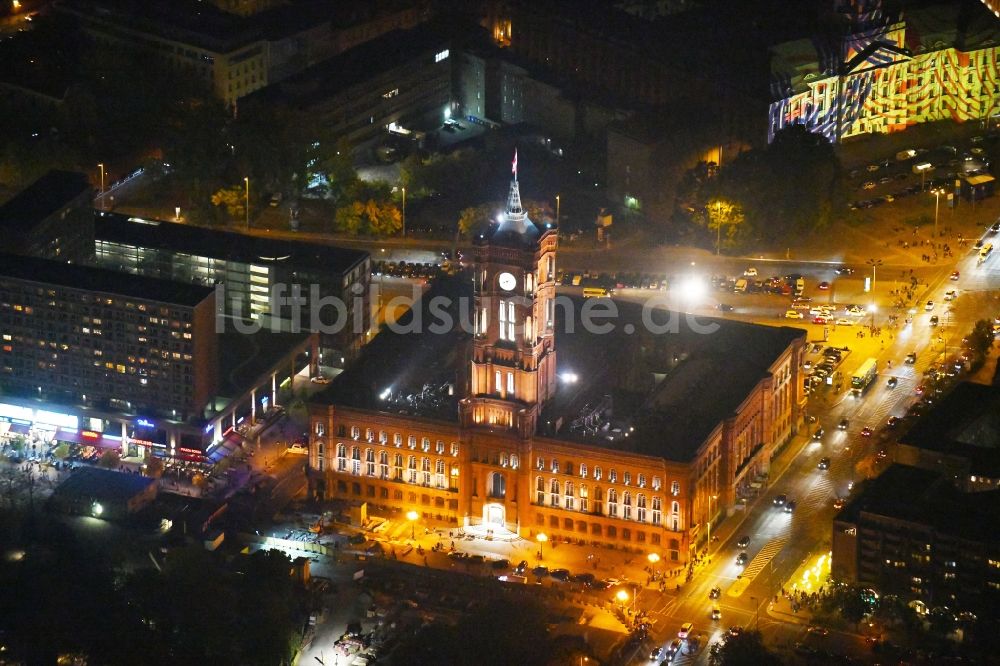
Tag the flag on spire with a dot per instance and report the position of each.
(515, 164)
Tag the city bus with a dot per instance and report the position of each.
(863, 377)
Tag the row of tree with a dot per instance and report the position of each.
(766, 196)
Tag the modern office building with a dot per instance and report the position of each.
(51, 218)
(959, 438)
(886, 72)
(521, 418)
(86, 335)
(253, 272)
(92, 357)
(912, 533)
(400, 80)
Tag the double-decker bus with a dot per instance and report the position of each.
(863, 377)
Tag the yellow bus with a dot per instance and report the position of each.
(596, 292)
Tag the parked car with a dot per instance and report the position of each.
(298, 449)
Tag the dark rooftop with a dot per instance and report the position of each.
(966, 423)
(99, 280)
(365, 62)
(45, 196)
(244, 359)
(103, 484)
(673, 388)
(925, 497)
(410, 372)
(225, 245)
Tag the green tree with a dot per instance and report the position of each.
(747, 649)
(725, 218)
(349, 217)
(382, 218)
(788, 189)
(232, 200)
(110, 459)
(475, 219)
(981, 337)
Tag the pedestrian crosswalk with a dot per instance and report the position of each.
(756, 565)
(819, 495)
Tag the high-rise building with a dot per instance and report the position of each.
(84, 335)
(912, 533)
(630, 437)
(273, 282)
(51, 218)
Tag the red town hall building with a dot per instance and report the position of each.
(514, 416)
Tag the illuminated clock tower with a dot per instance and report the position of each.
(513, 364)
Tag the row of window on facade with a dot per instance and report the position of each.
(569, 497)
(383, 438)
(598, 474)
(609, 532)
(428, 473)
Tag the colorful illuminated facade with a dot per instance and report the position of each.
(885, 73)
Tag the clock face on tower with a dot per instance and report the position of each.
(507, 281)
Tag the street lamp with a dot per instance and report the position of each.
(541, 538)
(756, 613)
(718, 228)
(710, 498)
(404, 212)
(874, 263)
(653, 558)
(937, 192)
(412, 517)
(557, 210)
(246, 180)
(101, 167)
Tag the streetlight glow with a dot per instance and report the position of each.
(541, 537)
(653, 558)
(622, 596)
(412, 516)
(246, 180)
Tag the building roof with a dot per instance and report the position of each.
(99, 280)
(47, 195)
(659, 394)
(103, 484)
(925, 497)
(224, 245)
(245, 360)
(199, 24)
(364, 63)
(965, 424)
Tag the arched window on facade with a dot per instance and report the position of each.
(497, 485)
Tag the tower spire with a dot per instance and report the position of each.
(514, 210)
